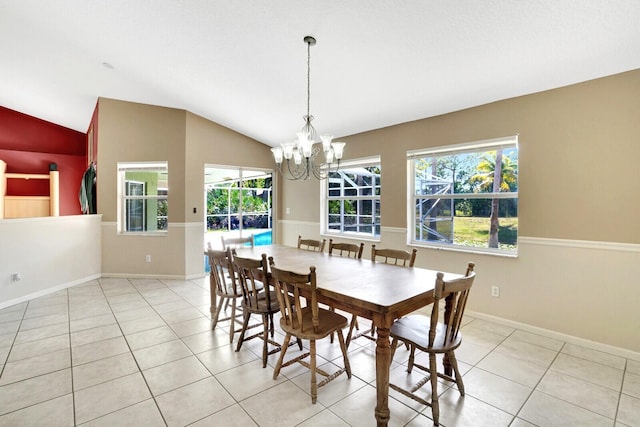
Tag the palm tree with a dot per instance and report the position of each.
(496, 173)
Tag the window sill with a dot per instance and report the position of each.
(471, 250)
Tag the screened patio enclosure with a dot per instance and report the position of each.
(238, 203)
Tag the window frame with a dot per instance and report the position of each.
(123, 197)
(412, 197)
(325, 198)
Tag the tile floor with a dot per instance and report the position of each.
(118, 352)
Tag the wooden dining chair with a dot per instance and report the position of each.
(257, 298)
(394, 256)
(397, 257)
(311, 245)
(304, 319)
(346, 250)
(224, 289)
(428, 334)
(236, 242)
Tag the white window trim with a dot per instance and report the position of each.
(123, 167)
(488, 145)
(362, 162)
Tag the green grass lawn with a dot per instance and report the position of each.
(474, 231)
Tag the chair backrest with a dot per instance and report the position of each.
(222, 275)
(236, 242)
(347, 250)
(311, 245)
(288, 286)
(394, 256)
(252, 275)
(456, 293)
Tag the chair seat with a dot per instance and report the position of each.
(415, 329)
(264, 306)
(329, 322)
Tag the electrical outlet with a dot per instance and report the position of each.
(495, 291)
(15, 277)
(147, 258)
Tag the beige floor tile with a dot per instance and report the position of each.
(629, 411)
(135, 314)
(103, 370)
(91, 310)
(145, 414)
(124, 298)
(143, 324)
(174, 304)
(233, 416)
(539, 340)
(471, 353)
(34, 390)
(325, 418)
(590, 371)
(98, 350)
(160, 354)
(100, 333)
(249, 379)
(225, 357)
(513, 369)
(173, 375)
(495, 328)
(39, 322)
(590, 396)
(595, 356)
(193, 402)
(104, 398)
(544, 410)
(10, 327)
(150, 337)
(335, 390)
(92, 322)
(41, 333)
(357, 409)
(183, 315)
(57, 412)
(631, 384)
(132, 304)
(502, 393)
(206, 340)
(35, 366)
(457, 411)
(191, 327)
(518, 422)
(633, 366)
(293, 406)
(46, 307)
(35, 348)
(527, 352)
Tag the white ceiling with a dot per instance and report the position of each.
(243, 64)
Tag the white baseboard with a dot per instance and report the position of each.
(593, 345)
(47, 291)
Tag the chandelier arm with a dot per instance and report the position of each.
(310, 164)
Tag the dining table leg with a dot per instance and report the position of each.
(383, 362)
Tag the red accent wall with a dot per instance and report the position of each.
(29, 144)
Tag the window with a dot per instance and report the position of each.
(351, 199)
(238, 204)
(459, 198)
(142, 197)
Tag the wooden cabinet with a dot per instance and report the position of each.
(29, 206)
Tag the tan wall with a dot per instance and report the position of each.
(577, 158)
(578, 206)
(138, 132)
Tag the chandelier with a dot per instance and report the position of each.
(302, 155)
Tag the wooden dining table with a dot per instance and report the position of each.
(376, 291)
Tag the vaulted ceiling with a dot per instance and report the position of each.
(243, 63)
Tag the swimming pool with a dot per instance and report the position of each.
(259, 239)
